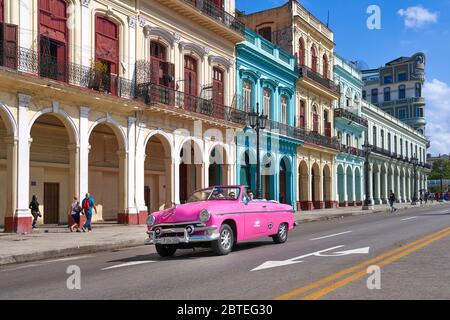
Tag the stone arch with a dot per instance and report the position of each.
(285, 180)
(115, 127)
(350, 185)
(63, 117)
(358, 187)
(166, 140)
(303, 186)
(315, 185)
(191, 162)
(327, 186)
(341, 184)
(8, 119)
(219, 164)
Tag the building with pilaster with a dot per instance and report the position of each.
(297, 31)
(128, 100)
(349, 128)
(266, 81)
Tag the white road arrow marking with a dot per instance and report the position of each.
(128, 264)
(409, 219)
(274, 264)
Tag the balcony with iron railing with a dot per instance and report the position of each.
(353, 151)
(203, 11)
(342, 113)
(306, 72)
(95, 79)
(406, 101)
(303, 134)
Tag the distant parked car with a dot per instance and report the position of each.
(218, 217)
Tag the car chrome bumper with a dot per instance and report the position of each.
(210, 235)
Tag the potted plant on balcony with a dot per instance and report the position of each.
(98, 79)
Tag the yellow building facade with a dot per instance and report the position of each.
(132, 101)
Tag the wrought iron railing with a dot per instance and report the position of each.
(353, 151)
(342, 113)
(307, 72)
(213, 11)
(302, 134)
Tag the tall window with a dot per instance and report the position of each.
(401, 146)
(247, 95)
(339, 136)
(374, 132)
(364, 94)
(382, 139)
(389, 142)
(402, 92)
(402, 77)
(315, 120)
(348, 140)
(356, 143)
(325, 66)
(395, 144)
(157, 60)
(301, 53)
(374, 97)
(326, 124)
(406, 149)
(418, 90)
(302, 120)
(266, 33)
(419, 112)
(402, 114)
(313, 59)
(107, 51)
(53, 39)
(267, 99)
(190, 76)
(387, 79)
(218, 86)
(348, 99)
(387, 94)
(412, 150)
(284, 106)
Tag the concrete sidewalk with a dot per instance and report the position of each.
(49, 242)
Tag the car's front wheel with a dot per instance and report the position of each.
(224, 244)
(165, 250)
(282, 235)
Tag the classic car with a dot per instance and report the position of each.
(218, 218)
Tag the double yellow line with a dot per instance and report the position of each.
(321, 288)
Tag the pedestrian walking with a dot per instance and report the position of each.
(75, 213)
(34, 206)
(87, 205)
(392, 200)
(421, 197)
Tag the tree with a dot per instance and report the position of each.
(440, 170)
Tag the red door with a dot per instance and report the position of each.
(301, 53)
(1, 11)
(313, 60)
(218, 88)
(190, 82)
(9, 40)
(316, 123)
(53, 39)
(107, 54)
(302, 114)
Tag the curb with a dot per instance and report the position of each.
(67, 252)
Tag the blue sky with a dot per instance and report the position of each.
(407, 27)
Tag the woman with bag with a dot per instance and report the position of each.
(34, 206)
(75, 212)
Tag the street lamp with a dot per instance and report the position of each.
(415, 163)
(368, 205)
(257, 122)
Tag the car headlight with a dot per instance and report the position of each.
(151, 220)
(204, 215)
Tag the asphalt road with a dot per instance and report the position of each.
(321, 260)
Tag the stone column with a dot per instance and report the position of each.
(403, 181)
(74, 177)
(123, 217)
(354, 188)
(84, 147)
(344, 178)
(11, 182)
(21, 223)
(377, 195)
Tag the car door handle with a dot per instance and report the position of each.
(264, 207)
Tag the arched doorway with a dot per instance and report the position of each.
(268, 176)
(218, 167)
(303, 186)
(285, 181)
(52, 167)
(190, 169)
(107, 160)
(384, 195)
(247, 173)
(358, 189)
(4, 187)
(316, 186)
(327, 187)
(402, 195)
(158, 178)
(341, 186)
(350, 186)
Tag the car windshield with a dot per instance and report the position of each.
(215, 194)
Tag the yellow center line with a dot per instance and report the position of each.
(326, 280)
(324, 291)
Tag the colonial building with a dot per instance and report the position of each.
(350, 128)
(267, 79)
(297, 31)
(397, 89)
(129, 100)
(397, 157)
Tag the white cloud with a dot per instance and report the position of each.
(416, 17)
(437, 95)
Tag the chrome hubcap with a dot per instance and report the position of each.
(282, 232)
(225, 239)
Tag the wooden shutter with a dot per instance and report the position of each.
(316, 123)
(302, 114)
(154, 71)
(10, 42)
(1, 11)
(61, 62)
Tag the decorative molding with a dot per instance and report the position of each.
(160, 32)
(132, 20)
(221, 60)
(55, 106)
(24, 100)
(142, 21)
(202, 52)
(85, 3)
(84, 112)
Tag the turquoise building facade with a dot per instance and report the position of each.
(350, 128)
(266, 82)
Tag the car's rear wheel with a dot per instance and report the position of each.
(224, 244)
(282, 235)
(165, 250)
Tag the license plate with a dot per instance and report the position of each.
(170, 240)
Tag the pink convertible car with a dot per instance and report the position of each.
(218, 217)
